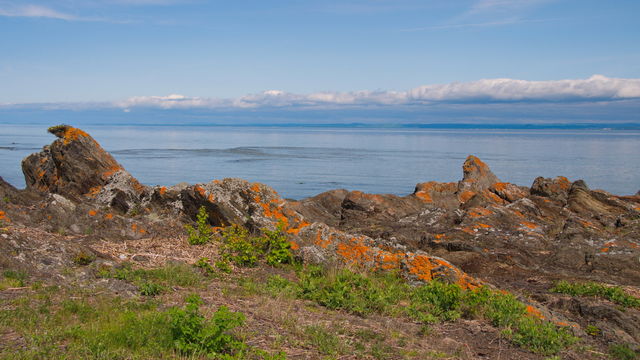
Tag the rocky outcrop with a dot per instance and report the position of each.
(77, 167)
(556, 188)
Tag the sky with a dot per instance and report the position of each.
(197, 54)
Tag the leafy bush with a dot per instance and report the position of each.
(435, 300)
(193, 333)
(203, 263)
(151, 289)
(613, 293)
(239, 247)
(278, 247)
(202, 233)
(351, 291)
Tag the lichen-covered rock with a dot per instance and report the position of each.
(77, 167)
(476, 176)
(556, 188)
(509, 192)
(439, 194)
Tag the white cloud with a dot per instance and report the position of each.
(597, 87)
(36, 11)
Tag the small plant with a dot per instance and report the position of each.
(325, 340)
(612, 293)
(194, 334)
(239, 247)
(151, 289)
(57, 130)
(593, 330)
(84, 258)
(622, 352)
(278, 247)
(6, 199)
(203, 263)
(202, 233)
(12, 279)
(223, 265)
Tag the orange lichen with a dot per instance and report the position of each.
(500, 186)
(211, 198)
(472, 163)
(142, 231)
(440, 236)
(563, 182)
(322, 242)
(517, 213)
(3, 217)
(296, 230)
(604, 250)
(479, 212)
(41, 173)
(468, 230)
(534, 312)
(421, 267)
(72, 134)
(294, 245)
(200, 190)
(636, 208)
(93, 191)
(425, 196)
(163, 190)
(355, 252)
(528, 224)
(390, 261)
(108, 216)
(217, 182)
(114, 169)
(495, 198)
(466, 195)
(484, 226)
(92, 213)
(134, 227)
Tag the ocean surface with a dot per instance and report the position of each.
(301, 162)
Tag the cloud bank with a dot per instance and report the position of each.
(36, 11)
(595, 88)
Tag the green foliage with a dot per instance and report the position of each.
(55, 130)
(154, 281)
(203, 263)
(278, 247)
(278, 286)
(325, 340)
(84, 258)
(239, 247)
(435, 301)
(223, 265)
(613, 293)
(12, 279)
(202, 233)
(194, 334)
(350, 291)
(622, 352)
(593, 330)
(151, 289)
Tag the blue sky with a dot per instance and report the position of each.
(131, 53)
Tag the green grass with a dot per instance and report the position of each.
(12, 279)
(612, 293)
(152, 282)
(325, 340)
(432, 302)
(110, 328)
(622, 352)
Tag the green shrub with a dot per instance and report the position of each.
(223, 265)
(435, 300)
(203, 263)
(278, 247)
(239, 247)
(12, 279)
(151, 289)
(613, 293)
(350, 291)
(202, 234)
(194, 334)
(84, 258)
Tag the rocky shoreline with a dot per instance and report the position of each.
(478, 231)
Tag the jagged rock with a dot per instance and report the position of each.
(556, 188)
(476, 176)
(77, 167)
(325, 207)
(509, 192)
(440, 194)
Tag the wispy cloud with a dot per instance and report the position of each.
(597, 87)
(36, 11)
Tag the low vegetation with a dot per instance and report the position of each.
(153, 282)
(612, 293)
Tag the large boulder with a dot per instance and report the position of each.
(77, 167)
(476, 175)
(556, 188)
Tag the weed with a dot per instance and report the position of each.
(6, 199)
(151, 289)
(168, 276)
(12, 279)
(593, 330)
(223, 265)
(194, 334)
(613, 293)
(278, 286)
(203, 263)
(622, 352)
(84, 258)
(278, 247)
(202, 233)
(325, 340)
(239, 247)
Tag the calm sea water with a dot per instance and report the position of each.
(302, 162)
